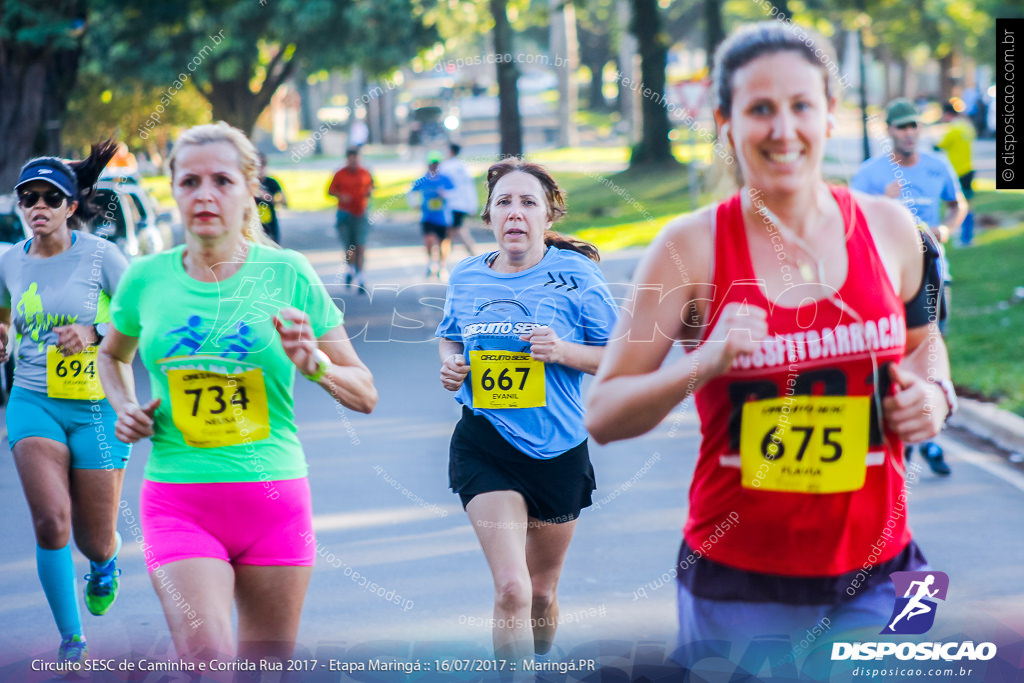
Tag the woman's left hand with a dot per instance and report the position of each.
(297, 339)
(918, 409)
(72, 339)
(545, 345)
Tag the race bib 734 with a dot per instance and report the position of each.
(213, 409)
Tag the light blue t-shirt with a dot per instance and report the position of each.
(436, 208)
(488, 310)
(926, 184)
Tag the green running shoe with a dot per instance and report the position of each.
(101, 584)
(73, 649)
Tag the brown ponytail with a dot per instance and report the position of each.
(560, 241)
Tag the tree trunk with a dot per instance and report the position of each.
(233, 101)
(21, 107)
(564, 47)
(714, 34)
(508, 89)
(884, 56)
(595, 92)
(627, 99)
(862, 89)
(35, 85)
(946, 63)
(654, 147)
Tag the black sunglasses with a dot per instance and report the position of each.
(53, 198)
(904, 126)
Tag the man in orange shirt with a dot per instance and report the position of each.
(352, 187)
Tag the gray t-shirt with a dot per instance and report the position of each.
(73, 287)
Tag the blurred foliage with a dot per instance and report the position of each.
(236, 54)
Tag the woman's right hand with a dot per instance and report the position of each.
(453, 371)
(3, 343)
(136, 422)
(739, 331)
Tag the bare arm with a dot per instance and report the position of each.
(545, 346)
(114, 362)
(454, 367)
(956, 211)
(918, 409)
(347, 378)
(633, 390)
(5, 323)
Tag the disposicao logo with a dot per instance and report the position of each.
(914, 613)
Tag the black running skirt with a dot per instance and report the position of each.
(481, 460)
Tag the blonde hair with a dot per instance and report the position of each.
(248, 164)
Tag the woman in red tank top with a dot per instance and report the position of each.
(814, 358)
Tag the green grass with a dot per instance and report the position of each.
(306, 190)
(986, 321)
(160, 187)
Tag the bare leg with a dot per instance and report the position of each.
(463, 235)
(499, 519)
(546, 547)
(43, 466)
(269, 608)
(431, 243)
(196, 595)
(444, 247)
(95, 495)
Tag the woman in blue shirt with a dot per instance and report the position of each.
(521, 326)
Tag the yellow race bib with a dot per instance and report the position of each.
(503, 379)
(805, 444)
(75, 377)
(213, 409)
(264, 211)
(435, 203)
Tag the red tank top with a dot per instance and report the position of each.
(778, 490)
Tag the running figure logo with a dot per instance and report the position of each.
(914, 613)
(255, 300)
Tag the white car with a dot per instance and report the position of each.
(128, 220)
(13, 227)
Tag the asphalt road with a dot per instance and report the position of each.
(384, 513)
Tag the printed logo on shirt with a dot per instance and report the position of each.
(828, 342)
(188, 339)
(560, 281)
(37, 320)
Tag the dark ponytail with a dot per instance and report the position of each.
(553, 195)
(88, 171)
(560, 241)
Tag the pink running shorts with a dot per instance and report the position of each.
(265, 523)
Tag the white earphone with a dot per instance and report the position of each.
(724, 131)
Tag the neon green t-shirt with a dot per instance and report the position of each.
(217, 363)
(957, 143)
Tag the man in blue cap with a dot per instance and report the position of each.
(922, 181)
